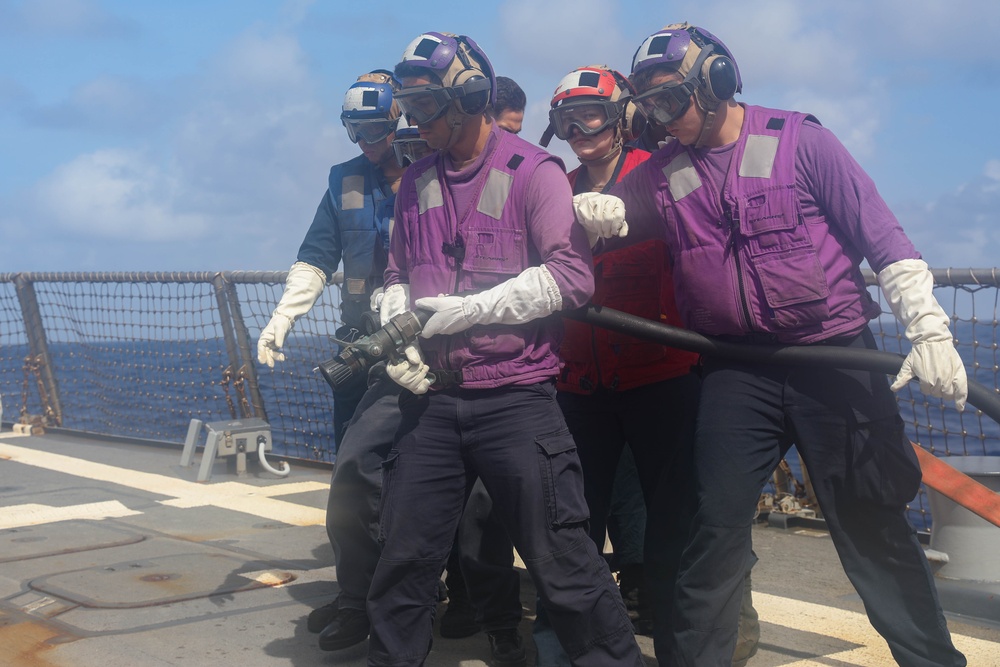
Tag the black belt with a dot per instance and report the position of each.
(444, 379)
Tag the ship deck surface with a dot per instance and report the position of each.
(113, 555)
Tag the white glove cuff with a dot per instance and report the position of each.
(531, 294)
(395, 300)
(908, 287)
(303, 286)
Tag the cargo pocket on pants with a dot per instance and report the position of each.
(385, 496)
(885, 469)
(562, 480)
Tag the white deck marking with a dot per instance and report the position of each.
(19, 516)
(870, 649)
(228, 495)
(849, 626)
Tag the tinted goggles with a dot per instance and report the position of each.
(370, 131)
(588, 118)
(666, 102)
(422, 104)
(410, 149)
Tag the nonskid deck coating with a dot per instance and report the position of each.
(235, 565)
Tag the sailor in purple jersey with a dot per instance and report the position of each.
(485, 238)
(768, 219)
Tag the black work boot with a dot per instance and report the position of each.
(506, 648)
(350, 627)
(321, 617)
(632, 585)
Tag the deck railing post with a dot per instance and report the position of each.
(34, 329)
(246, 349)
(229, 334)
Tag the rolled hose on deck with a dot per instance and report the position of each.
(939, 476)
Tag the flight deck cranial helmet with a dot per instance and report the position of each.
(370, 110)
(407, 144)
(708, 69)
(466, 84)
(590, 100)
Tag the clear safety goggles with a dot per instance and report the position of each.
(588, 118)
(370, 131)
(410, 149)
(666, 102)
(422, 104)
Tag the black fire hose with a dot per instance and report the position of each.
(980, 396)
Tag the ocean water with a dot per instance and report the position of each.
(152, 389)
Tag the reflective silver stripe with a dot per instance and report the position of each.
(392, 226)
(352, 192)
(682, 176)
(495, 194)
(758, 158)
(428, 191)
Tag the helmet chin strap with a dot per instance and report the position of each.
(613, 154)
(709, 122)
(456, 120)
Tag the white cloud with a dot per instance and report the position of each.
(992, 172)
(106, 104)
(563, 34)
(855, 120)
(115, 194)
(960, 228)
(243, 166)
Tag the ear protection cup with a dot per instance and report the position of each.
(720, 79)
(476, 102)
(633, 122)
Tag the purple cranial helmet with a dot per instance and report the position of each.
(705, 63)
(462, 68)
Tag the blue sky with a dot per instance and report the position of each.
(182, 135)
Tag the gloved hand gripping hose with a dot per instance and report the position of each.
(363, 353)
(980, 396)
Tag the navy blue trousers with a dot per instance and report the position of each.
(352, 506)
(352, 516)
(515, 439)
(656, 421)
(847, 428)
(486, 561)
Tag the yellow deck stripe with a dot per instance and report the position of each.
(19, 516)
(848, 626)
(228, 495)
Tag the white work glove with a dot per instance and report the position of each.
(376, 299)
(302, 287)
(531, 294)
(395, 300)
(603, 216)
(908, 287)
(409, 371)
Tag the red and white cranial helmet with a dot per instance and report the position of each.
(592, 82)
(590, 100)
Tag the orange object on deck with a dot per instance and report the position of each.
(958, 487)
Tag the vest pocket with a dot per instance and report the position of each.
(562, 480)
(784, 259)
(495, 340)
(494, 250)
